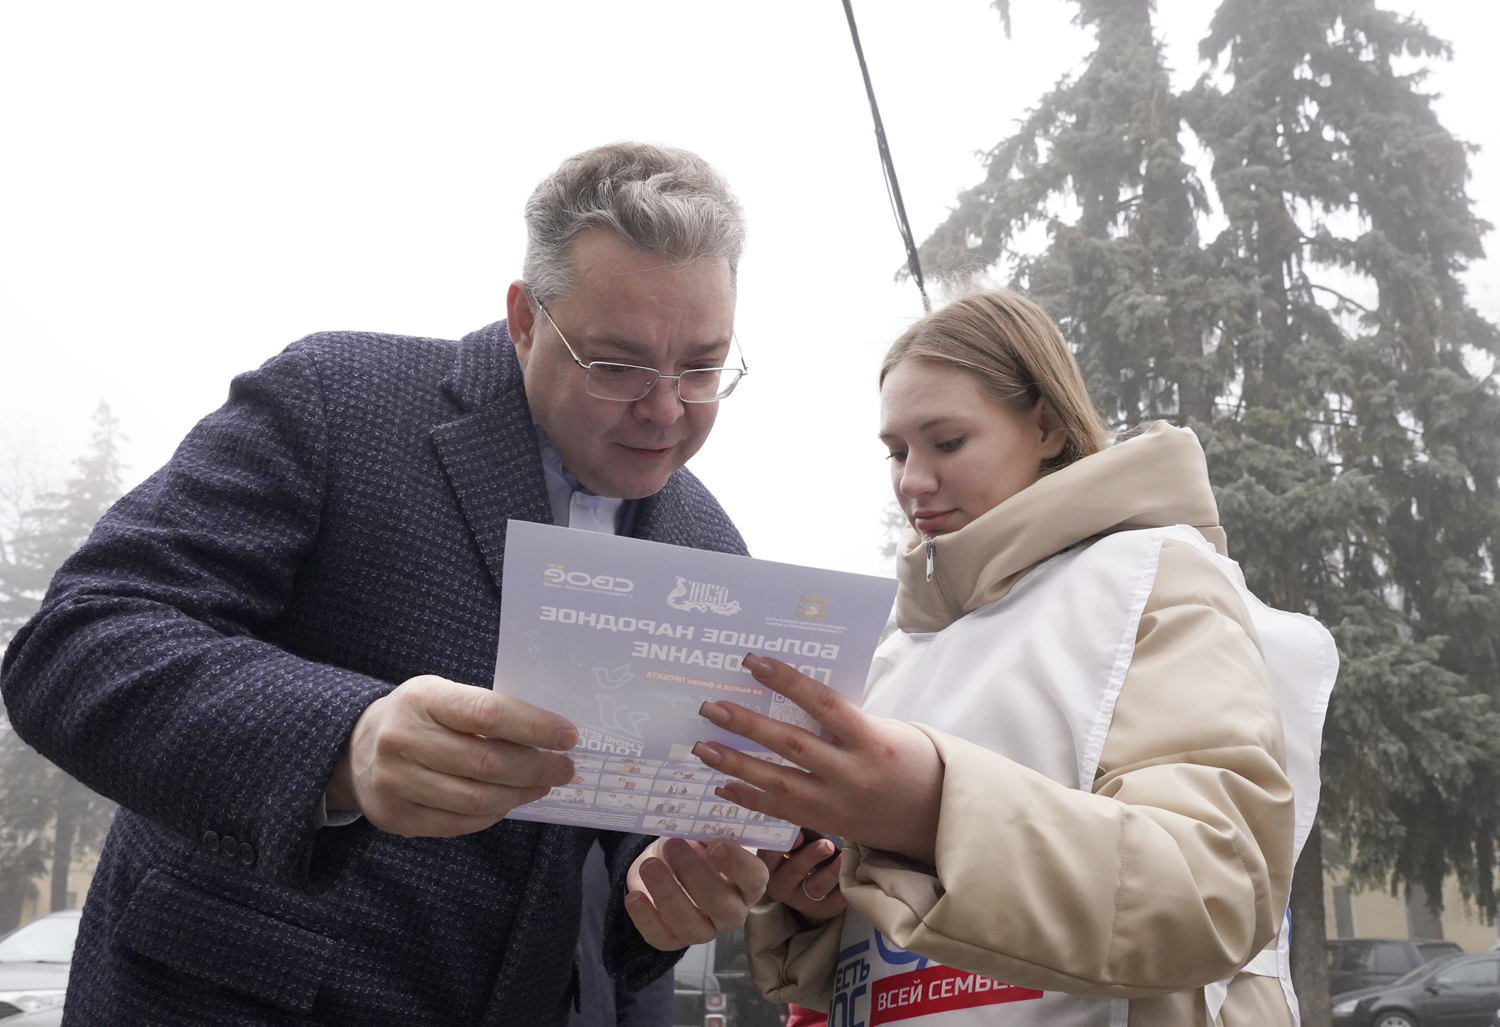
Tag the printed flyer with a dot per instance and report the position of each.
(627, 638)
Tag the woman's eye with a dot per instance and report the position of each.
(896, 455)
(951, 445)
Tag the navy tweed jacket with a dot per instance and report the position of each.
(337, 527)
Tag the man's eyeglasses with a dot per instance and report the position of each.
(626, 383)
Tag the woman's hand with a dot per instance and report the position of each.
(797, 882)
(879, 782)
(680, 893)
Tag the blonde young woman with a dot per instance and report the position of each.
(1084, 765)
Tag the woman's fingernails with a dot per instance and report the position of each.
(674, 847)
(712, 711)
(758, 665)
(825, 847)
(718, 852)
(709, 753)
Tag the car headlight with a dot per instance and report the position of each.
(1345, 1007)
(32, 1000)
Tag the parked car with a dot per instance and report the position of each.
(1355, 963)
(1450, 991)
(713, 988)
(44, 1018)
(34, 960)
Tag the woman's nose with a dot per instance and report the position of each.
(916, 481)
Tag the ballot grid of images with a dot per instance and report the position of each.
(666, 797)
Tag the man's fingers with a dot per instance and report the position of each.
(494, 761)
(682, 918)
(464, 796)
(720, 900)
(827, 707)
(772, 859)
(648, 921)
(419, 767)
(483, 711)
(741, 866)
(683, 893)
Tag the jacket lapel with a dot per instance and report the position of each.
(490, 453)
(668, 516)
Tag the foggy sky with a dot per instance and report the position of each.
(190, 187)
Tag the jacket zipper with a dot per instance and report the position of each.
(954, 610)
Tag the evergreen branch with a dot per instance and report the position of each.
(1341, 297)
(1003, 6)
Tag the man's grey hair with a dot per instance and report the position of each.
(656, 198)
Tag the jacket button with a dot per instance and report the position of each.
(211, 840)
(247, 854)
(228, 846)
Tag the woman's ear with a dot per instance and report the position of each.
(1054, 435)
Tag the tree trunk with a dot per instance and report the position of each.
(1309, 953)
(12, 895)
(62, 855)
(1422, 921)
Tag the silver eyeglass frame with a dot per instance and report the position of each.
(742, 370)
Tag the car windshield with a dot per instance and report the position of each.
(1421, 971)
(48, 940)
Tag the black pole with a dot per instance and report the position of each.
(888, 166)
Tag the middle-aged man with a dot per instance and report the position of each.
(266, 652)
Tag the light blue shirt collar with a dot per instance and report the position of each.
(573, 504)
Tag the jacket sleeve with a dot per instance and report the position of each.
(628, 958)
(791, 961)
(142, 674)
(1173, 873)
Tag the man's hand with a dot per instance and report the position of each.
(435, 758)
(681, 893)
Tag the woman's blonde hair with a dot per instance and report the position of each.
(1013, 348)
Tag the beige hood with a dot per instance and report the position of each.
(1155, 480)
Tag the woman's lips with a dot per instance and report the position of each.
(932, 520)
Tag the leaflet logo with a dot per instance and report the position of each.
(812, 607)
(702, 597)
(556, 575)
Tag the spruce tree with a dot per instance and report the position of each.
(33, 792)
(1099, 162)
(1322, 348)
(1365, 466)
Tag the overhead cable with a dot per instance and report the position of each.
(888, 166)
